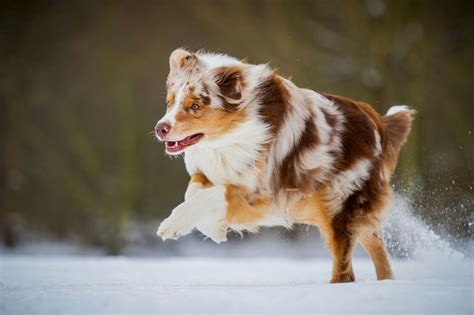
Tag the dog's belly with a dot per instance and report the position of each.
(273, 218)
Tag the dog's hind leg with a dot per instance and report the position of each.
(341, 243)
(335, 230)
(374, 245)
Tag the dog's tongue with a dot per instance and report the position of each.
(180, 143)
(184, 142)
(174, 146)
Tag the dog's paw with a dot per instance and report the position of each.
(343, 277)
(217, 233)
(174, 227)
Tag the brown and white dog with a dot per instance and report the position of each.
(263, 152)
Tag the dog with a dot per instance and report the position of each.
(263, 152)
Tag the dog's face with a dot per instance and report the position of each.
(202, 101)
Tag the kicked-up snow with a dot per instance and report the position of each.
(114, 285)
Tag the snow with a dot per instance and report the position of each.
(117, 285)
(263, 273)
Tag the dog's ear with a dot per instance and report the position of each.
(230, 82)
(179, 59)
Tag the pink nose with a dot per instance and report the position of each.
(162, 129)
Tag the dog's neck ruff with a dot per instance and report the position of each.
(232, 158)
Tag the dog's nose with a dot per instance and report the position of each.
(162, 129)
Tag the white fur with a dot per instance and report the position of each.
(273, 218)
(205, 211)
(324, 129)
(255, 75)
(290, 132)
(231, 158)
(170, 116)
(293, 125)
(192, 189)
(212, 60)
(345, 183)
(396, 109)
(320, 157)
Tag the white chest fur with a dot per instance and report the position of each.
(231, 158)
(222, 166)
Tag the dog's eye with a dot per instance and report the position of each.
(194, 106)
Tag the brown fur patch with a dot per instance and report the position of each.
(230, 82)
(374, 245)
(186, 113)
(205, 88)
(205, 99)
(213, 122)
(291, 175)
(240, 210)
(200, 179)
(275, 100)
(170, 99)
(330, 118)
(311, 209)
(357, 138)
(185, 59)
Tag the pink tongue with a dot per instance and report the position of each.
(184, 141)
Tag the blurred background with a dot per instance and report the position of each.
(83, 83)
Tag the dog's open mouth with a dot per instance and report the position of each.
(176, 146)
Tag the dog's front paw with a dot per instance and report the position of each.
(217, 233)
(174, 227)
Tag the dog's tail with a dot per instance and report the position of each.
(397, 124)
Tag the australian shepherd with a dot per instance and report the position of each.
(262, 151)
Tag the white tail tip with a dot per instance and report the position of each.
(399, 108)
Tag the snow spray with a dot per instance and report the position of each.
(407, 236)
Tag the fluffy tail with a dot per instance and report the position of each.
(397, 124)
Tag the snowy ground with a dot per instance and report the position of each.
(268, 272)
(112, 285)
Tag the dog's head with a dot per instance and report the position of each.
(204, 97)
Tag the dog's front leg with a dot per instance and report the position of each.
(198, 182)
(205, 210)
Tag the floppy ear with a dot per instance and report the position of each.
(178, 59)
(230, 83)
